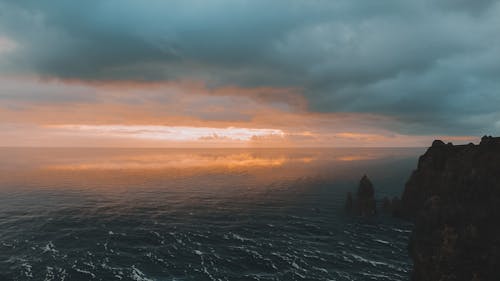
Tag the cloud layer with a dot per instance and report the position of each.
(431, 67)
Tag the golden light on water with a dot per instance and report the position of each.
(179, 161)
(202, 160)
(356, 157)
(114, 167)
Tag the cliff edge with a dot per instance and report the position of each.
(454, 199)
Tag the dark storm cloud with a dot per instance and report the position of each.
(431, 65)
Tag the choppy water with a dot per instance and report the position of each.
(164, 214)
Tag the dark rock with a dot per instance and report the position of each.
(454, 199)
(437, 143)
(489, 140)
(349, 203)
(365, 201)
(390, 206)
(395, 205)
(364, 204)
(365, 189)
(386, 205)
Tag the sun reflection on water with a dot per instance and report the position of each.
(117, 169)
(179, 161)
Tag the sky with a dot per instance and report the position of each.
(254, 73)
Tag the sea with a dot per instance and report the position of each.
(199, 214)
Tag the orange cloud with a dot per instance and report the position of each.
(52, 112)
(173, 133)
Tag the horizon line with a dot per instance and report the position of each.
(213, 147)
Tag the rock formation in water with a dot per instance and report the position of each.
(454, 199)
(390, 206)
(349, 202)
(365, 204)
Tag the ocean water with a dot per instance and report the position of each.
(193, 214)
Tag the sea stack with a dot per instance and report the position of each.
(454, 199)
(364, 204)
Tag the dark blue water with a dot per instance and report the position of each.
(164, 214)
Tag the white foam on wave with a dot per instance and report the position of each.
(27, 269)
(240, 238)
(84, 271)
(89, 264)
(372, 262)
(401, 230)
(138, 275)
(50, 248)
(320, 269)
(49, 273)
(382, 241)
(375, 275)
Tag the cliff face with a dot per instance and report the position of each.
(454, 199)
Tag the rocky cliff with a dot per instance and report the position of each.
(454, 198)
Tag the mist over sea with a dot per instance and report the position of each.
(199, 214)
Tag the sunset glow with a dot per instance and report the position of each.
(145, 80)
(78, 113)
(179, 161)
(174, 133)
(249, 139)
